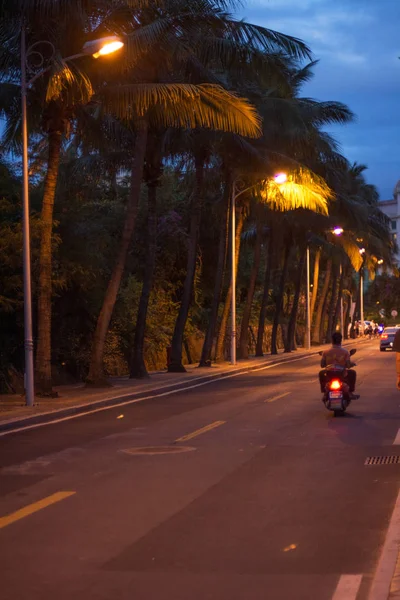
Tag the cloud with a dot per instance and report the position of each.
(357, 44)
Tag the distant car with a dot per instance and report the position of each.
(387, 338)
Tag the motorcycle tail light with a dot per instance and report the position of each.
(335, 384)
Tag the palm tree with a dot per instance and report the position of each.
(174, 105)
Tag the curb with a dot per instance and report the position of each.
(87, 408)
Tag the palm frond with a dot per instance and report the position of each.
(184, 105)
(70, 80)
(267, 39)
(352, 250)
(303, 189)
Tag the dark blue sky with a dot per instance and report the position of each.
(358, 44)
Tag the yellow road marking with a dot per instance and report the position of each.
(189, 436)
(32, 508)
(277, 397)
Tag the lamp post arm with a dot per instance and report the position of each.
(43, 71)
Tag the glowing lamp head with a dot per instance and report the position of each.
(103, 46)
(380, 261)
(108, 49)
(280, 178)
(362, 250)
(337, 231)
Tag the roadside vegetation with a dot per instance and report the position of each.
(133, 161)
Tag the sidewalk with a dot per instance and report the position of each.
(76, 399)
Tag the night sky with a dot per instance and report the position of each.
(358, 45)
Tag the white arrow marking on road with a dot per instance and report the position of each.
(347, 588)
(397, 439)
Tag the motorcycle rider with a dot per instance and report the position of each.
(337, 355)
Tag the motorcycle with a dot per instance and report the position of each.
(337, 396)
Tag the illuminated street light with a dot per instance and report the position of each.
(280, 178)
(100, 47)
(337, 231)
(362, 252)
(103, 46)
(380, 261)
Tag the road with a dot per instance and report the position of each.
(259, 493)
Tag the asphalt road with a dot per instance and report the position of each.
(260, 494)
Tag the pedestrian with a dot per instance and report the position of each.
(396, 348)
(357, 329)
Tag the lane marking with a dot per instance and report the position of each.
(194, 434)
(347, 587)
(153, 396)
(277, 397)
(385, 569)
(32, 508)
(397, 439)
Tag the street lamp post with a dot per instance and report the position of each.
(233, 268)
(28, 336)
(336, 231)
(279, 179)
(362, 252)
(341, 306)
(97, 48)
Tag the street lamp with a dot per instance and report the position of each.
(362, 252)
(279, 178)
(97, 48)
(336, 231)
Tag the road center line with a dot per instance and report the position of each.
(277, 397)
(388, 559)
(190, 436)
(347, 587)
(32, 508)
(397, 439)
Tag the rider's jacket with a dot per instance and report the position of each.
(336, 355)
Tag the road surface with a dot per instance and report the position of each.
(247, 489)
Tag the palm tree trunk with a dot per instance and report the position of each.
(332, 304)
(244, 328)
(346, 318)
(205, 359)
(322, 300)
(227, 305)
(264, 301)
(138, 368)
(357, 309)
(43, 352)
(290, 341)
(175, 365)
(336, 315)
(279, 299)
(96, 375)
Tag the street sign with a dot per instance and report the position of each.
(394, 313)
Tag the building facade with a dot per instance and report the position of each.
(391, 208)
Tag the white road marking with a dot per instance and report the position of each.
(380, 588)
(397, 439)
(277, 397)
(347, 588)
(135, 400)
